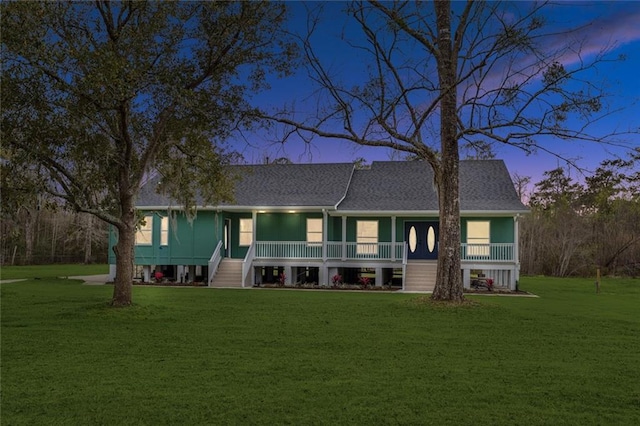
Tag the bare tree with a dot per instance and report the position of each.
(475, 74)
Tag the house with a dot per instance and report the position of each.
(310, 222)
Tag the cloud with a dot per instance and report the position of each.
(606, 33)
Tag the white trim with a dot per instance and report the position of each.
(242, 208)
(333, 211)
(427, 213)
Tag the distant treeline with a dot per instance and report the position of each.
(576, 227)
(33, 235)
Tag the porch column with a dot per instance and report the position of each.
(325, 235)
(344, 238)
(180, 272)
(288, 272)
(146, 273)
(393, 238)
(322, 275)
(379, 277)
(466, 278)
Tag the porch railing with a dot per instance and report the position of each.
(335, 250)
(288, 250)
(494, 252)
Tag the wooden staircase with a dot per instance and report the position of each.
(229, 274)
(420, 275)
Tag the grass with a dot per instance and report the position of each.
(206, 356)
(51, 271)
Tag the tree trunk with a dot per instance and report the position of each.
(449, 277)
(88, 240)
(124, 251)
(28, 236)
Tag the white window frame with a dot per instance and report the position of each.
(245, 232)
(164, 230)
(476, 237)
(314, 231)
(144, 234)
(367, 242)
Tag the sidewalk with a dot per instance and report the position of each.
(91, 279)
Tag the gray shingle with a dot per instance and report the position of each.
(386, 186)
(276, 185)
(409, 186)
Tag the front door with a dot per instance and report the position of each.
(422, 239)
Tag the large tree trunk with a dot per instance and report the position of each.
(28, 236)
(124, 251)
(88, 237)
(449, 277)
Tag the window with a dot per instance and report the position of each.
(145, 232)
(164, 231)
(314, 231)
(246, 232)
(478, 238)
(367, 237)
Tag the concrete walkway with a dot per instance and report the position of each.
(91, 279)
(12, 281)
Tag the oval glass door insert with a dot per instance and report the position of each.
(413, 239)
(431, 239)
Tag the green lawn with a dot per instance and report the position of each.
(206, 356)
(51, 271)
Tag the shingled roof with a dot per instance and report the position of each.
(485, 185)
(275, 185)
(387, 186)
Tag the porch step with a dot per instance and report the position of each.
(229, 274)
(420, 276)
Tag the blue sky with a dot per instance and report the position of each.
(611, 23)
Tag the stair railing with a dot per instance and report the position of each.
(247, 262)
(214, 262)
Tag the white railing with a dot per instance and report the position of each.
(288, 250)
(247, 262)
(494, 252)
(335, 250)
(214, 262)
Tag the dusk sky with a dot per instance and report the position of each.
(609, 23)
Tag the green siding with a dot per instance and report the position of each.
(283, 226)
(335, 228)
(189, 243)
